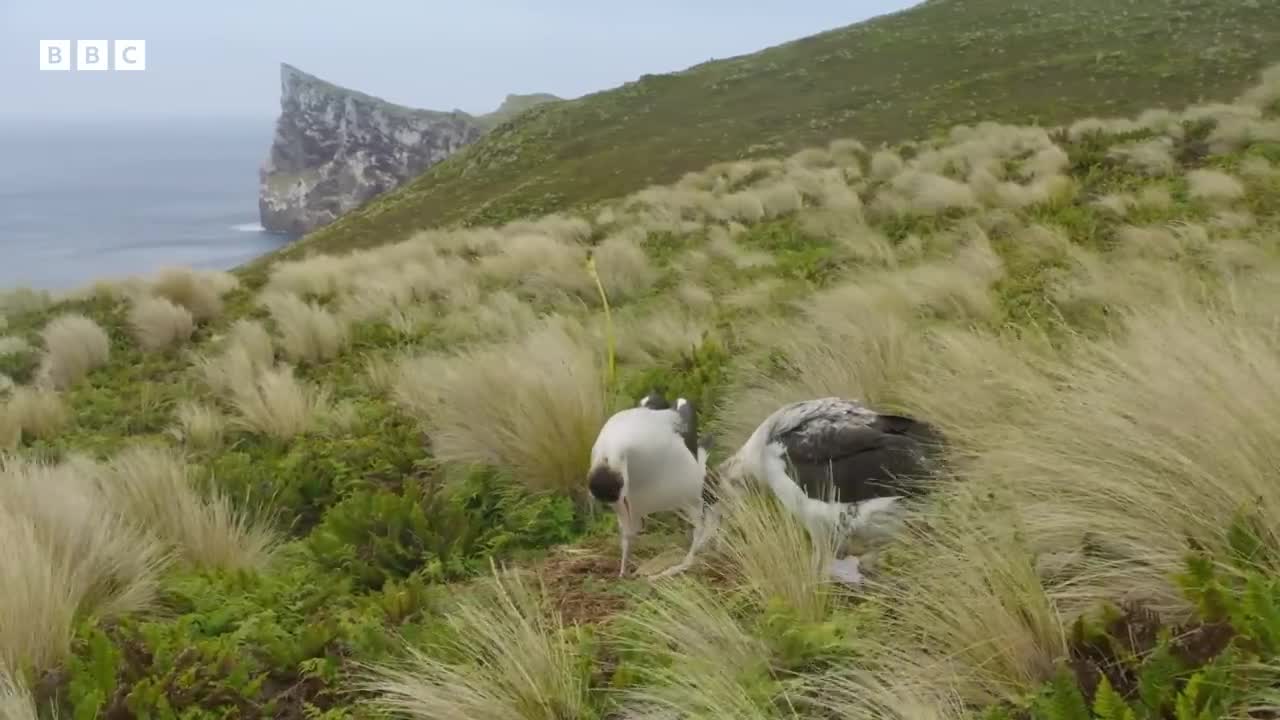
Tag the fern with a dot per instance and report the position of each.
(1064, 700)
(1109, 705)
(1157, 681)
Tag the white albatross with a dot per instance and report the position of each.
(839, 467)
(648, 459)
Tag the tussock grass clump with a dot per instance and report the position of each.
(659, 334)
(971, 615)
(1177, 415)
(19, 301)
(775, 557)
(67, 553)
(885, 164)
(200, 292)
(509, 655)
(275, 402)
(199, 425)
(158, 323)
(246, 350)
(38, 413)
(153, 486)
(1213, 185)
(540, 267)
(930, 194)
(532, 405)
(1153, 158)
(317, 276)
(495, 316)
(308, 333)
(625, 270)
(74, 345)
(12, 345)
(700, 661)
(16, 702)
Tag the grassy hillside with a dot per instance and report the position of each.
(895, 78)
(224, 501)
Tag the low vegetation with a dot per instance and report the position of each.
(355, 491)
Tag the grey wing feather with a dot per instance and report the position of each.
(833, 427)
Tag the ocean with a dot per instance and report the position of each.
(84, 202)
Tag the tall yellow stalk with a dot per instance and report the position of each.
(610, 366)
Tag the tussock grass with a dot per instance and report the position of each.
(531, 405)
(200, 292)
(700, 660)
(860, 694)
(74, 345)
(38, 413)
(495, 316)
(624, 268)
(1213, 185)
(1153, 158)
(318, 276)
(775, 557)
(885, 164)
(308, 333)
(12, 345)
(971, 615)
(199, 425)
(158, 323)
(21, 300)
(246, 350)
(275, 402)
(1176, 415)
(153, 486)
(67, 553)
(16, 702)
(539, 267)
(509, 656)
(663, 333)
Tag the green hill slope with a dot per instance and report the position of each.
(895, 77)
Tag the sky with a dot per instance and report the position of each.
(221, 59)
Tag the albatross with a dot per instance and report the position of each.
(839, 466)
(650, 459)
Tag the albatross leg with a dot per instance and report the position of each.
(626, 550)
(628, 533)
(705, 521)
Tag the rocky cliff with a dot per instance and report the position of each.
(335, 149)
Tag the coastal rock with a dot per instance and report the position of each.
(335, 149)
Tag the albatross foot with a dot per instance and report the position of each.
(671, 571)
(847, 570)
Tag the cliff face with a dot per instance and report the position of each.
(335, 149)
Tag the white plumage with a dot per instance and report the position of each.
(837, 466)
(647, 459)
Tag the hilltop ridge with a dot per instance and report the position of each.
(892, 78)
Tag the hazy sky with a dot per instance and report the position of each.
(221, 57)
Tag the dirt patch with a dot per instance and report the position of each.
(582, 585)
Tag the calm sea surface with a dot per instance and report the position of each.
(78, 203)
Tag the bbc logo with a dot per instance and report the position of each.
(94, 55)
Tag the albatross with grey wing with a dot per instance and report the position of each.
(834, 462)
(648, 459)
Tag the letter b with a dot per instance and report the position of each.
(55, 54)
(93, 55)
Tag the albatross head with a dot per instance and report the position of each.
(607, 482)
